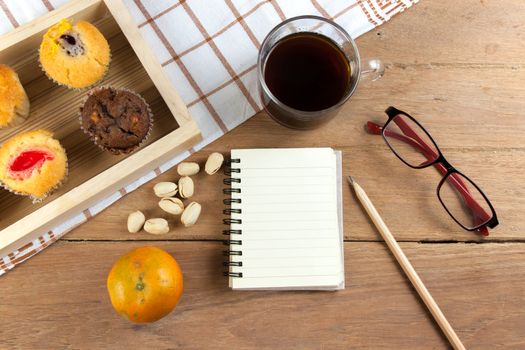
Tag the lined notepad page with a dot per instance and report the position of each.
(291, 219)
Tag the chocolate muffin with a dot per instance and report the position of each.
(117, 120)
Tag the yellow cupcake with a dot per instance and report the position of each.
(14, 104)
(76, 56)
(33, 164)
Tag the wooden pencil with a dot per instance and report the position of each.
(407, 266)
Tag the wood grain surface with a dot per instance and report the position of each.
(457, 66)
(62, 301)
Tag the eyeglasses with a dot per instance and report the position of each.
(463, 200)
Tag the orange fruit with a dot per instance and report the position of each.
(145, 284)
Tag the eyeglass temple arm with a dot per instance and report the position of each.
(430, 154)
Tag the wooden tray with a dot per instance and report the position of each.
(93, 174)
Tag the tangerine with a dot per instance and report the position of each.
(145, 284)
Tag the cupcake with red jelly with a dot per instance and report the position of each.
(32, 164)
(117, 120)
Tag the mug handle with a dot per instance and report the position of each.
(372, 69)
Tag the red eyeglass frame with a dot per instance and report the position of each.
(483, 220)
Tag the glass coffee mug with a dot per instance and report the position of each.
(308, 67)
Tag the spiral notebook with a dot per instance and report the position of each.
(285, 219)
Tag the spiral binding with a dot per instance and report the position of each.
(229, 170)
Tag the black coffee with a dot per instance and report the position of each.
(307, 71)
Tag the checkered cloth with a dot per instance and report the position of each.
(209, 51)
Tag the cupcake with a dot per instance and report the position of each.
(76, 56)
(14, 104)
(32, 164)
(117, 120)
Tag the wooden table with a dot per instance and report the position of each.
(458, 67)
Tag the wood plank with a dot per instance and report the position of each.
(59, 299)
(406, 198)
(457, 67)
(466, 32)
(461, 108)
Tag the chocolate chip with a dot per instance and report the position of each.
(70, 40)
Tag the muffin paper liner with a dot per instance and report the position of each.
(116, 151)
(50, 191)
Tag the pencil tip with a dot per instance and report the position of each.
(350, 180)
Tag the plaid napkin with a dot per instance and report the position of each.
(209, 51)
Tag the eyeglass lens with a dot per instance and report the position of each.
(464, 201)
(410, 142)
